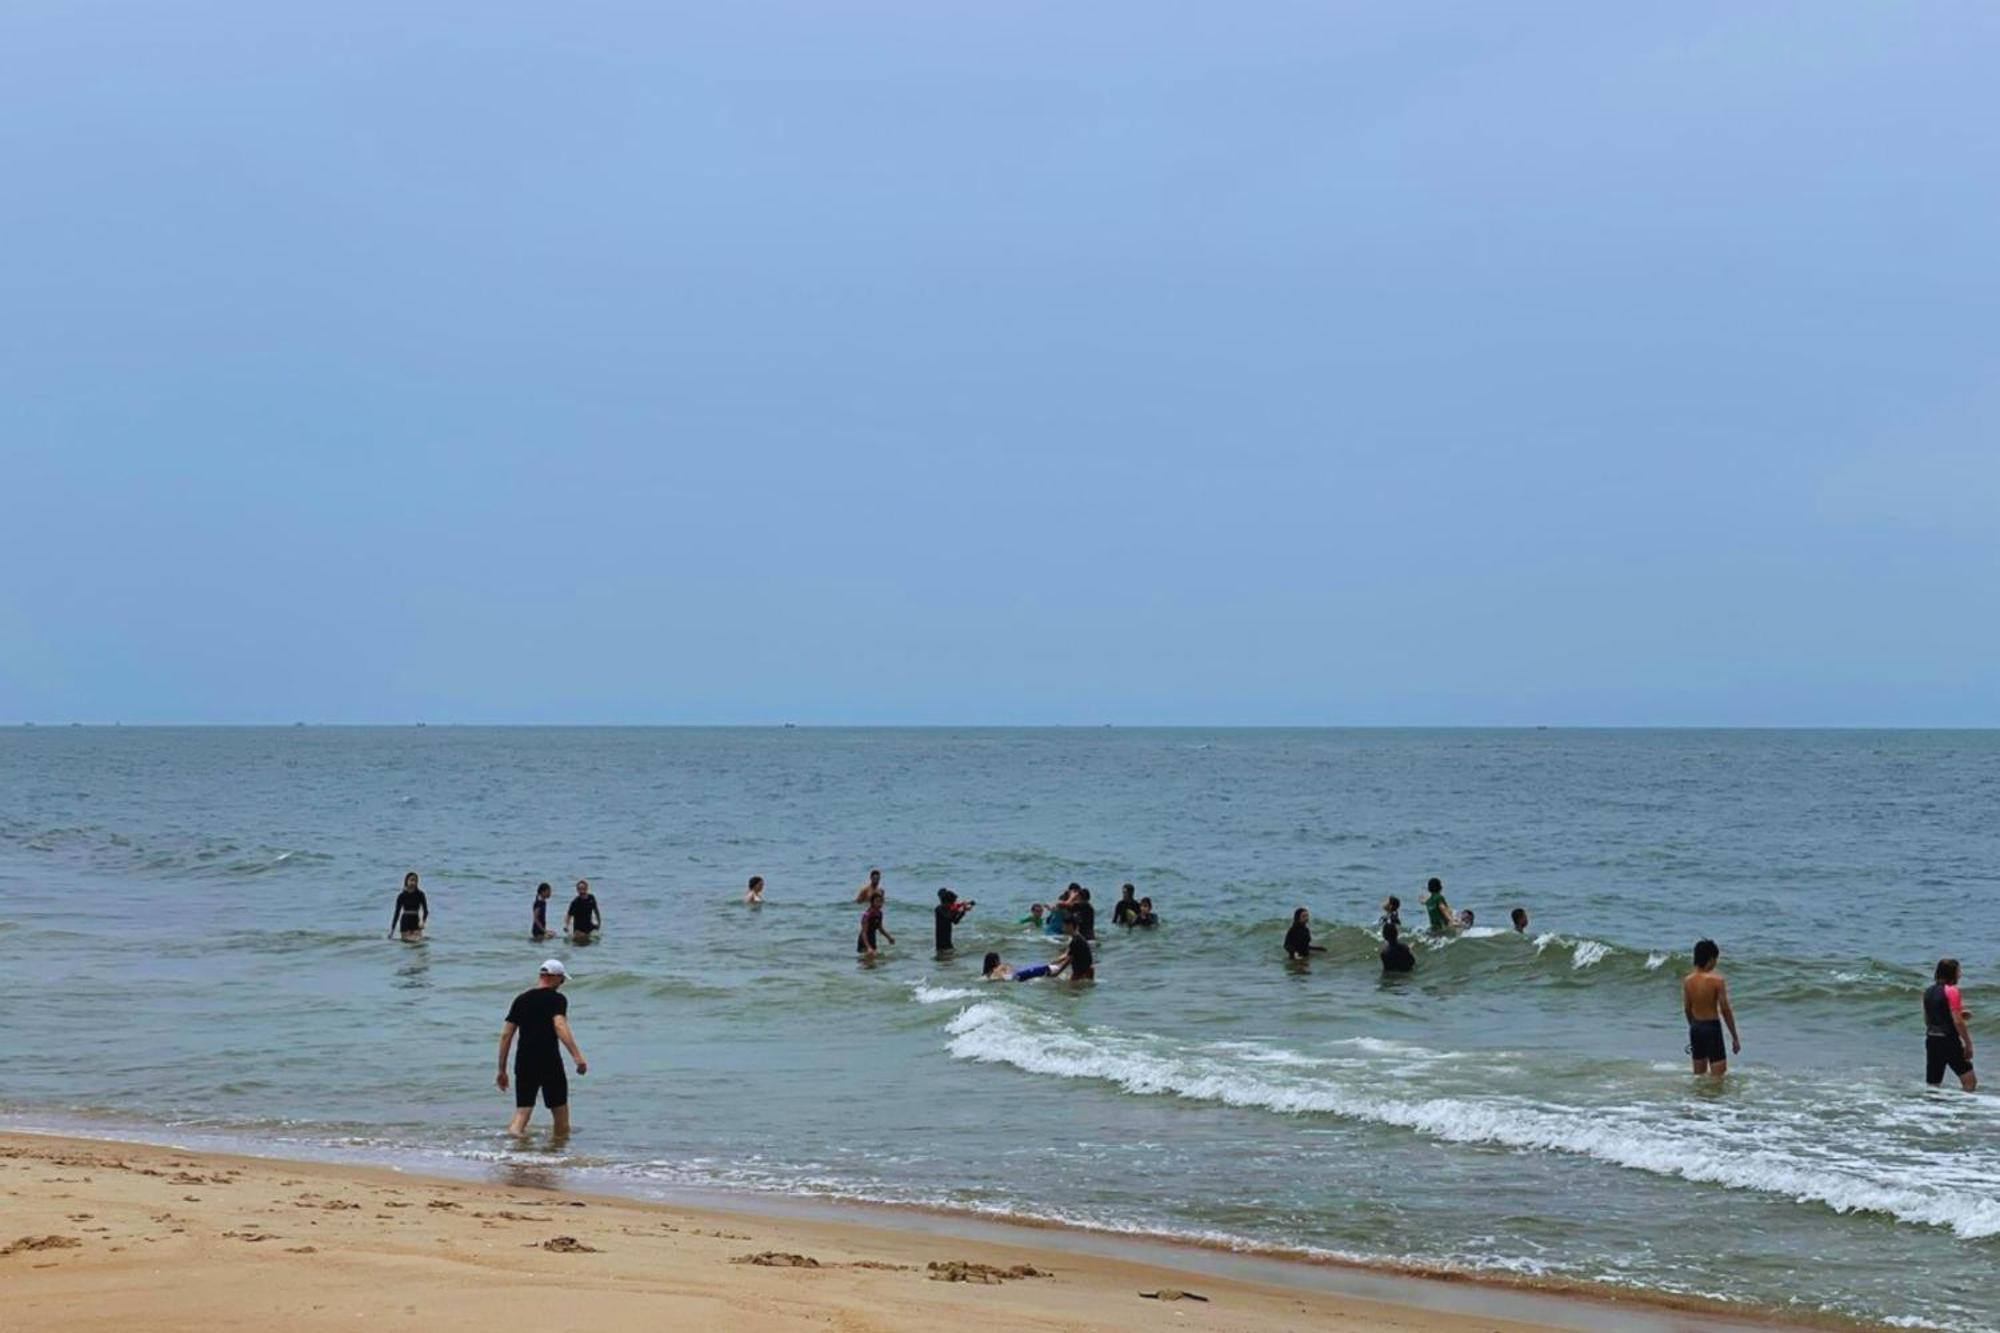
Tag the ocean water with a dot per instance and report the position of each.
(194, 924)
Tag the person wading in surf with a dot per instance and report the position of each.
(412, 911)
(1705, 1000)
(540, 1016)
(1947, 1041)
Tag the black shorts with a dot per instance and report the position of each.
(550, 1080)
(1705, 1041)
(1941, 1053)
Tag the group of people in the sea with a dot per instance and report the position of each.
(538, 1018)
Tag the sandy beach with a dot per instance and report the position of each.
(105, 1234)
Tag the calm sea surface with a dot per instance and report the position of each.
(194, 921)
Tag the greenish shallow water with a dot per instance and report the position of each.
(197, 919)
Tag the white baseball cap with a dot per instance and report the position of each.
(554, 968)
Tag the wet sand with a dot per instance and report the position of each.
(102, 1234)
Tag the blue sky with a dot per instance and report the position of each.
(1308, 363)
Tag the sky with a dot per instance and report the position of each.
(1280, 363)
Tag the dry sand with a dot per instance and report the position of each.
(97, 1234)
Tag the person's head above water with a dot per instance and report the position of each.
(1519, 916)
(553, 973)
(874, 877)
(756, 882)
(1436, 885)
(947, 897)
(410, 880)
(1465, 917)
(1300, 916)
(992, 961)
(1128, 891)
(1705, 953)
(582, 887)
(1036, 909)
(1392, 904)
(1947, 971)
(543, 890)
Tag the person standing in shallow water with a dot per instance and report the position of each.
(871, 888)
(872, 927)
(949, 912)
(753, 893)
(540, 1017)
(1299, 939)
(583, 919)
(1126, 911)
(1437, 908)
(412, 911)
(540, 930)
(1947, 1040)
(1705, 1001)
(1396, 955)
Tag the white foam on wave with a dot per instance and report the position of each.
(1655, 961)
(1589, 953)
(1770, 1156)
(925, 993)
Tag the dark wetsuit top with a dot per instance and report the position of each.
(947, 915)
(583, 915)
(1299, 940)
(1086, 918)
(1397, 957)
(1125, 913)
(1939, 1021)
(411, 910)
(1082, 963)
(541, 917)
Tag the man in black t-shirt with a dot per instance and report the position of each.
(412, 911)
(540, 1017)
(948, 913)
(583, 920)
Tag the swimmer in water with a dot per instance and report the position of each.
(412, 911)
(1947, 1040)
(1034, 916)
(1705, 1001)
(583, 920)
(1077, 959)
(1299, 939)
(1396, 955)
(993, 969)
(1126, 912)
(948, 913)
(1392, 913)
(1145, 919)
(754, 894)
(1519, 916)
(1465, 919)
(1438, 909)
(872, 887)
(540, 929)
(872, 927)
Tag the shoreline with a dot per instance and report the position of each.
(1265, 1288)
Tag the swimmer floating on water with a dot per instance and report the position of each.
(1705, 1001)
(994, 969)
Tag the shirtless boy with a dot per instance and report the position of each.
(1705, 1000)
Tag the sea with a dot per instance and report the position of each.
(194, 924)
